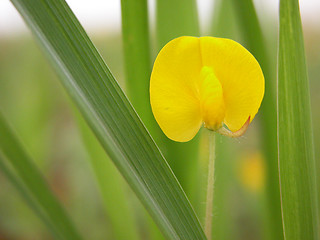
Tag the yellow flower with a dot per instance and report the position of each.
(207, 80)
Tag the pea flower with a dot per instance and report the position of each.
(207, 81)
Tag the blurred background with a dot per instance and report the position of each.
(48, 124)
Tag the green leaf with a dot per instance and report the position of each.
(108, 112)
(295, 140)
(29, 181)
(223, 20)
(136, 48)
(255, 42)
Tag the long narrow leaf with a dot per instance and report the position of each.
(175, 18)
(107, 110)
(295, 141)
(40, 197)
(136, 48)
(223, 20)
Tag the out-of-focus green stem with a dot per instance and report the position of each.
(223, 20)
(136, 46)
(254, 41)
(175, 18)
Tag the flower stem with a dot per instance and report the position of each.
(209, 201)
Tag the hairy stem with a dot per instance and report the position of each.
(209, 201)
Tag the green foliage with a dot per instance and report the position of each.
(28, 180)
(110, 115)
(118, 130)
(295, 140)
(112, 187)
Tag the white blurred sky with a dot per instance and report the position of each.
(103, 15)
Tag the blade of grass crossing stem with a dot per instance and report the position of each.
(295, 141)
(112, 187)
(175, 18)
(255, 42)
(136, 48)
(34, 182)
(108, 112)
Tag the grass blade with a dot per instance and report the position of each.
(40, 198)
(176, 18)
(223, 22)
(110, 115)
(295, 141)
(136, 46)
(255, 42)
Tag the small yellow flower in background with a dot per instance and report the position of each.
(252, 172)
(205, 81)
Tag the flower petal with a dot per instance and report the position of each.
(174, 93)
(240, 76)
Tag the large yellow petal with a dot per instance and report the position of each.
(174, 93)
(240, 76)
